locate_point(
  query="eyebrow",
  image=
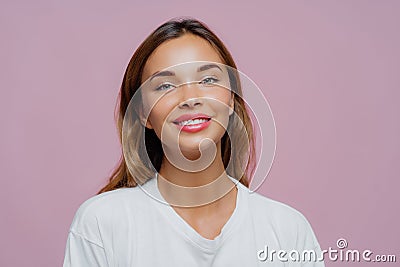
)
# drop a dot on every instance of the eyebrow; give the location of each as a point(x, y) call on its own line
point(208, 66)
point(170, 73)
point(162, 73)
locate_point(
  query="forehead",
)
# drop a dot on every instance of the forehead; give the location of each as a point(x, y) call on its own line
point(186, 48)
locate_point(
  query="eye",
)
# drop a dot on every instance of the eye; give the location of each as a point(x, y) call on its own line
point(164, 86)
point(209, 80)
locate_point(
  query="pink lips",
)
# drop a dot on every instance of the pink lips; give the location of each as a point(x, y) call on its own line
point(193, 127)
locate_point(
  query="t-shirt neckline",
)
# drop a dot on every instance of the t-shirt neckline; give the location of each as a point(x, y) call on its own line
point(186, 229)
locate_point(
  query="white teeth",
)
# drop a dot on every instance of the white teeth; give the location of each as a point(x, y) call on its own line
point(192, 122)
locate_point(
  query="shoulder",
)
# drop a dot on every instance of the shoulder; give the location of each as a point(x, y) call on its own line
point(290, 225)
point(275, 210)
point(102, 211)
point(271, 209)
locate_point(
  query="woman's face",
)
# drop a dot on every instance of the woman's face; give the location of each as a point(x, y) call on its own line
point(186, 100)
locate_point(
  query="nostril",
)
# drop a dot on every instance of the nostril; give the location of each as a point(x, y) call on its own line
point(191, 102)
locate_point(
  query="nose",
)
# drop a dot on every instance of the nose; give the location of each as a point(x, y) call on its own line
point(189, 96)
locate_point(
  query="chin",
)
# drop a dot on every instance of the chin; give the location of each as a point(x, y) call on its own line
point(193, 148)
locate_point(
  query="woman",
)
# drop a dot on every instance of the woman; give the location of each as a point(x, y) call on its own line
point(187, 137)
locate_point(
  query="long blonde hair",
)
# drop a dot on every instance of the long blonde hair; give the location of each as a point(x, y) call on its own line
point(243, 151)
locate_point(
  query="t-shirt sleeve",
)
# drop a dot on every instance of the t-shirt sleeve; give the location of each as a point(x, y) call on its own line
point(82, 252)
point(309, 246)
point(85, 245)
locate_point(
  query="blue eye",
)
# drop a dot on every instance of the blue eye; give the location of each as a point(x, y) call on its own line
point(164, 86)
point(209, 80)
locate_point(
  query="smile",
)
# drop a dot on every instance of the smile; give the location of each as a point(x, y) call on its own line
point(193, 125)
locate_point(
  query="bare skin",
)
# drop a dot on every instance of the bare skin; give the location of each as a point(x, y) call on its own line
point(207, 219)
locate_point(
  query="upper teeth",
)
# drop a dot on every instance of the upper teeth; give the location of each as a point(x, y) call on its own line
point(191, 122)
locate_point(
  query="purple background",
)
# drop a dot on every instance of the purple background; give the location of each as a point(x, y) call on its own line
point(329, 69)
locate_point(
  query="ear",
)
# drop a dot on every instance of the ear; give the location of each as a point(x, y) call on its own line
point(232, 104)
point(148, 125)
point(143, 121)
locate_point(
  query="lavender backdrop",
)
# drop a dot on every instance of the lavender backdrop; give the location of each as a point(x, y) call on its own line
point(330, 70)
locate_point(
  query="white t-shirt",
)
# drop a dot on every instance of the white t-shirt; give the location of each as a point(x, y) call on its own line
point(131, 227)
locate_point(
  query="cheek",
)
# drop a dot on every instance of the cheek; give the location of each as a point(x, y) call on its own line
point(222, 101)
point(160, 112)
point(221, 108)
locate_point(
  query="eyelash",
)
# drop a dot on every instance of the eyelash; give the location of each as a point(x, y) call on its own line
point(162, 86)
point(214, 80)
point(159, 88)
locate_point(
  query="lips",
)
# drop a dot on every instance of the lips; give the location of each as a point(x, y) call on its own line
point(192, 123)
point(191, 117)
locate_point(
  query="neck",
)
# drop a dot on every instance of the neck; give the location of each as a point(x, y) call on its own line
point(182, 177)
point(188, 188)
